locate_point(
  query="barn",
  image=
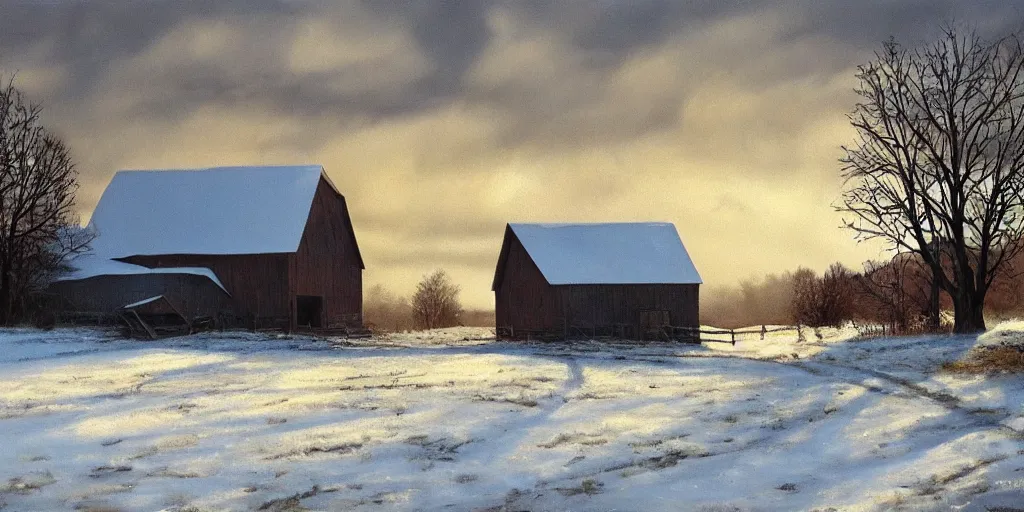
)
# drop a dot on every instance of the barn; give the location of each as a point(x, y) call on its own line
point(625, 280)
point(277, 240)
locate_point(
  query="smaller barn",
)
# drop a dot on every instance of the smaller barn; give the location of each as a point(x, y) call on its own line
point(624, 280)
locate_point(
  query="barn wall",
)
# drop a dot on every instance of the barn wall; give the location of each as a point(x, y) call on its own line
point(327, 263)
point(258, 283)
point(523, 299)
point(603, 306)
point(193, 295)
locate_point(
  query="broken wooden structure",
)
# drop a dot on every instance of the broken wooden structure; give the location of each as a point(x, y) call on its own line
point(154, 318)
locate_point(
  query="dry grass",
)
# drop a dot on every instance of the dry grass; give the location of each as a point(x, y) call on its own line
point(989, 360)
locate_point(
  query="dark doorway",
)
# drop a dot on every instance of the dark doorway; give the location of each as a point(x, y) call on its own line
point(308, 310)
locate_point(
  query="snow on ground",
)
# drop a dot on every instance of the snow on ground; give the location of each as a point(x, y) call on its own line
point(451, 420)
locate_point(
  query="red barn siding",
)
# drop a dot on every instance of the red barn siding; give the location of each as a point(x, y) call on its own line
point(603, 306)
point(526, 305)
point(328, 263)
point(258, 283)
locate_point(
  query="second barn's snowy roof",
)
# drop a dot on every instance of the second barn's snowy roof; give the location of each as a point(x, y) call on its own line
point(612, 253)
point(220, 210)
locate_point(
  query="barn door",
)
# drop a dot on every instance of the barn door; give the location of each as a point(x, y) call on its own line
point(309, 310)
point(654, 324)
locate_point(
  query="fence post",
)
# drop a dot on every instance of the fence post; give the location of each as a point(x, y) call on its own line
point(763, 330)
point(732, 333)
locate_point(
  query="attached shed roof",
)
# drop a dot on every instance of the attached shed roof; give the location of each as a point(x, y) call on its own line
point(220, 210)
point(608, 253)
point(90, 265)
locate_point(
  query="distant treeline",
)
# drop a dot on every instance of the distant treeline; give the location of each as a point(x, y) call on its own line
point(896, 293)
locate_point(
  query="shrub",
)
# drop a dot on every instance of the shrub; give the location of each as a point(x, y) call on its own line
point(436, 302)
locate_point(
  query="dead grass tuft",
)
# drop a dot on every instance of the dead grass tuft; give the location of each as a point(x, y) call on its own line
point(465, 478)
point(573, 438)
point(589, 487)
point(340, 449)
point(520, 401)
point(29, 483)
point(293, 503)
point(989, 360)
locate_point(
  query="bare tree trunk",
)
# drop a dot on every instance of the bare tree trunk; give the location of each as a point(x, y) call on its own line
point(5, 293)
point(968, 313)
point(933, 306)
point(933, 299)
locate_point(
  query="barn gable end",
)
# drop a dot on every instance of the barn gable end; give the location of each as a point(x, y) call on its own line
point(523, 297)
point(328, 265)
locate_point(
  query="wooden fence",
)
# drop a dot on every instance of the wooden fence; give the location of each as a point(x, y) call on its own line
point(695, 333)
point(689, 334)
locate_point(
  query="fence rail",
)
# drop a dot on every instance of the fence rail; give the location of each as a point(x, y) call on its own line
point(696, 332)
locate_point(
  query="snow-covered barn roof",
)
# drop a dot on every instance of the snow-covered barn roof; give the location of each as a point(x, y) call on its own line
point(220, 210)
point(608, 253)
point(90, 265)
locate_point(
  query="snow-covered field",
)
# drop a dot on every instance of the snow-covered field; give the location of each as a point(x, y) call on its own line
point(451, 420)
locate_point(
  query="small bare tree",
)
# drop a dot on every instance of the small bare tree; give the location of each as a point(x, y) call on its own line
point(38, 182)
point(940, 158)
point(436, 302)
point(806, 298)
point(824, 301)
point(895, 292)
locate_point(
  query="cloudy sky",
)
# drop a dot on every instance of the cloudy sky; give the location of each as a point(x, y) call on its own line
point(441, 120)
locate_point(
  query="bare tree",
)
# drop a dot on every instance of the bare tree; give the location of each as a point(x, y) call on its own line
point(824, 301)
point(436, 302)
point(806, 297)
point(895, 292)
point(939, 157)
point(836, 295)
point(37, 188)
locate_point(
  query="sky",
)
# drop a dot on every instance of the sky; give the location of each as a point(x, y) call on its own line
point(440, 121)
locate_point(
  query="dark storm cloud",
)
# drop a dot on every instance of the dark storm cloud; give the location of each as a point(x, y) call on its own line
point(89, 37)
